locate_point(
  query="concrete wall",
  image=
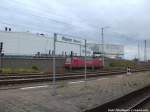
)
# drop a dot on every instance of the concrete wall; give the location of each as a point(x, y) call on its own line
point(44, 64)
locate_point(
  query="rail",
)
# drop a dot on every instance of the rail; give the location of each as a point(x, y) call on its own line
point(27, 78)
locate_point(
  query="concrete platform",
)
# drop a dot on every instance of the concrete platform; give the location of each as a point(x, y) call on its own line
point(72, 96)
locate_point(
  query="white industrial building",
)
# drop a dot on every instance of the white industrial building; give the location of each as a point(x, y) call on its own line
point(26, 43)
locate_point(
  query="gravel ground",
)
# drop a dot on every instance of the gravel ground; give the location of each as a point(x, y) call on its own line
point(71, 96)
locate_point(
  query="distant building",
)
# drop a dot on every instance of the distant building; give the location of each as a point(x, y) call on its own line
point(110, 50)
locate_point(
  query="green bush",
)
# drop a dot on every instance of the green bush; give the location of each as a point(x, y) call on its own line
point(35, 67)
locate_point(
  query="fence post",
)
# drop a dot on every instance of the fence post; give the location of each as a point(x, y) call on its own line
point(54, 64)
point(1, 54)
point(85, 64)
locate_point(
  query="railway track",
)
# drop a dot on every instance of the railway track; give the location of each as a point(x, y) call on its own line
point(6, 79)
point(133, 102)
point(141, 104)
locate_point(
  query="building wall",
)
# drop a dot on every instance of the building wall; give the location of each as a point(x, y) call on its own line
point(44, 64)
point(25, 43)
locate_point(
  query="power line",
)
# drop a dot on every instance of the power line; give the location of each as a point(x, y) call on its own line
point(31, 9)
point(45, 17)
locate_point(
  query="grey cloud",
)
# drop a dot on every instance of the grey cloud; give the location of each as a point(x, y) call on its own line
point(129, 21)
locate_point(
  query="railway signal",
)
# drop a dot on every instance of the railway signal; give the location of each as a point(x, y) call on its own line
point(128, 70)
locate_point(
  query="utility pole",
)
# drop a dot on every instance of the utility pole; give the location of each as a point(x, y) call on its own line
point(103, 46)
point(102, 43)
point(138, 51)
point(145, 50)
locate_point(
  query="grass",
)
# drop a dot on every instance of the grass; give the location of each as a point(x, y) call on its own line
point(123, 64)
point(19, 70)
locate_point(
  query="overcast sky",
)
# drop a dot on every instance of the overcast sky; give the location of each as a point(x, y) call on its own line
point(128, 20)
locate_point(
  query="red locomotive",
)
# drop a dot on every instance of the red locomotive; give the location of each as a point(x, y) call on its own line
point(76, 62)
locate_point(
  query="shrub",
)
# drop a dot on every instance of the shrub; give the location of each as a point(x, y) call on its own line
point(35, 67)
